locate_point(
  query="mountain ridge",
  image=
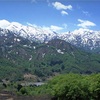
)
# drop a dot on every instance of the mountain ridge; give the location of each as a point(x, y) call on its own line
point(83, 38)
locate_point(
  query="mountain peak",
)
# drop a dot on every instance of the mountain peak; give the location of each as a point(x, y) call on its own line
point(4, 24)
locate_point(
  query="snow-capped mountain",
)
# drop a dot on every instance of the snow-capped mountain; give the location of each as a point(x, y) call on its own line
point(31, 32)
point(86, 38)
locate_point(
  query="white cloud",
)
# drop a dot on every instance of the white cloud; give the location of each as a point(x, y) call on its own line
point(4, 23)
point(49, 28)
point(60, 6)
point(55, 28)
point(64, 12)
point(85, 23)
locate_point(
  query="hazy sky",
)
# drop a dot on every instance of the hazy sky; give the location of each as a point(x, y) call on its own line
point(63, 15)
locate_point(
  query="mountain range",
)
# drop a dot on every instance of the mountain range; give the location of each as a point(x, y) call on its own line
point(83, 38)
point(27, 52)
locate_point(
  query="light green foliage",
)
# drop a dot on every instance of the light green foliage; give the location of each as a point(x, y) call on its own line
point(69, 87)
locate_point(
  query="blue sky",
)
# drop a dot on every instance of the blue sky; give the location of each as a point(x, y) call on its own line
point(59, 15)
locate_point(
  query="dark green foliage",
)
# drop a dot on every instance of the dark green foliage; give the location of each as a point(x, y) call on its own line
point(24, 91)
point(19, 87)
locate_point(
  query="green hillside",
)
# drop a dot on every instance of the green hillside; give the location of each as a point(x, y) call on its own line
point(44, 60)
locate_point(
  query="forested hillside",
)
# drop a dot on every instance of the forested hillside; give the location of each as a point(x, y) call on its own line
point(44, 60)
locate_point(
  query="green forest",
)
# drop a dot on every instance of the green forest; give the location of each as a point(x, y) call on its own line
point(46, 60)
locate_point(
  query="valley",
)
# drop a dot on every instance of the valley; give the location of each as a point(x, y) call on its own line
point(29, 64)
